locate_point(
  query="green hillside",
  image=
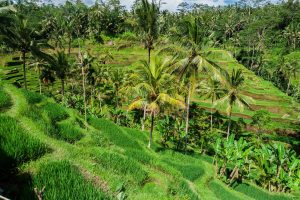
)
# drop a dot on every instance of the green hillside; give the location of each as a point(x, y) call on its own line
point(283, 109)
point(103, 161)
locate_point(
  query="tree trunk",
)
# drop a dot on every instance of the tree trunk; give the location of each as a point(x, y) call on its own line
point(149, 55)
point(288, 87)
point(63, 87)
point(24, 69)
point(211, 117)
point(84, 92)
point(229, 125)
point(151, 130)
point(144, 118)
point(69, 45)
point(40, 81)
point(187, 114)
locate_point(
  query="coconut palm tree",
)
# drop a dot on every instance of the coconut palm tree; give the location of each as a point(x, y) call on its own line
point(22, 37)
point(194, 61)
point(60, 65)
point(148, 14)
point(212, 90)
point(234, 83)
point(85, 62)
point(289, 70)
point(6, 8)
point(156, 81)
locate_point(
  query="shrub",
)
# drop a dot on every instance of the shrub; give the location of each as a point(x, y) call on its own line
point(122, 165)
point(68, 132)
point(55, 112)
point(5, 100)
point(16, 143)
point(64, 181)
point(32, 97)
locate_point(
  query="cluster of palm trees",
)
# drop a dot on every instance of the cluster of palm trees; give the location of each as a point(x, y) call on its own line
point(270, 165)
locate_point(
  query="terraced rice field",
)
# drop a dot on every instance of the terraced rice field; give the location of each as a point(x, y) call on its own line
point(266, 96)
point(107, 160)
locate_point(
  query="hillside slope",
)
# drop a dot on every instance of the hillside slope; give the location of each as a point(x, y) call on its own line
point(46, 146)
point(284, 111)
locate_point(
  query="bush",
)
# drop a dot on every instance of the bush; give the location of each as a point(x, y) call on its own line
point(32, 97)
point(122, 165)
point(64, 181)
point(5, 100)
point(55, 112)
point(17, 144)
point(68, 132)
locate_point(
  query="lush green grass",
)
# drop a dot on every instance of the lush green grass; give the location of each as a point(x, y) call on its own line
point(5, 100)
point(114, 133)
point(188, 171)
point(17, 144)
point(32, 97)
point(184, 190)
point(221, 192)
point(68, 132)
point(122, 165)
point(55, 112)
point(257, 193)
point(64, 181)
point(40, 118)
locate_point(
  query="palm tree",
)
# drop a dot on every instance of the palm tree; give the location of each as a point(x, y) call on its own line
point(155, 80)
point(85, 61)
point(148, 14)
point(60, 65)
point(7, 8)
point(289, 70)
point(21, 36)
point(212, 90)
point(234, 96)
point(194, 62)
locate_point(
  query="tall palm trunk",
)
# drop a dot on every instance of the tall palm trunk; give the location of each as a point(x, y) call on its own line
point(63, 87)
point(229, 124)
point(84, 92)
point(288, 87)
point(144, 118)
point(149, 55)
point(187, 114)
point(151, 130)
point(211, 119)
point(69, 45)
point(40, 81)
point(24, 69)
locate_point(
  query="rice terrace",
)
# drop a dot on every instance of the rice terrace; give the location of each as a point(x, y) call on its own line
point(150, 100)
